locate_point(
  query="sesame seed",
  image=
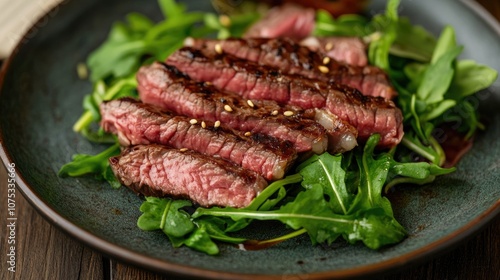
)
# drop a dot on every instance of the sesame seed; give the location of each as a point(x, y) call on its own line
point(250, 103)
point(183, 149)
point(326, 60)
point(329, 46)
point(248, 133)
point(274, 113)
point(288, 113)
point(203, 124)
point(225, 20)
point(228, 108)
point(218, 48)
point(217, 124)
point(193, 121)
point(323, 69)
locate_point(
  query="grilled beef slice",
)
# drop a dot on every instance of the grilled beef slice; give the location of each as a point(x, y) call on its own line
point(156, 170)
point(369, 115)
point(293, 58)
point(164, 86)
point(351, 50)
point(138, 123)
point(287, 20)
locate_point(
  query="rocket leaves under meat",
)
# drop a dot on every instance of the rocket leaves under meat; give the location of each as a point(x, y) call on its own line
point(97, 165)
point(331, 178)
point(317, 208)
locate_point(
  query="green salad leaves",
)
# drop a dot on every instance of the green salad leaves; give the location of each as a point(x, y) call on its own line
point(328, 197)
point(431, 81)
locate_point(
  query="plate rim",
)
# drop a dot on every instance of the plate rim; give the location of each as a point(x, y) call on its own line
point(107, 248)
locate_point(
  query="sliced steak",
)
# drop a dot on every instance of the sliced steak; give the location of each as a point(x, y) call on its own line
point(292, 58)
point(155, 170)
point(137, 123)
point(288, 20)
point(351, 50)
point(164, 86)
point(367, 114)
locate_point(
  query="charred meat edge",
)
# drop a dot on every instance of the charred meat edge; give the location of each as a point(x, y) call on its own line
point(156, 170)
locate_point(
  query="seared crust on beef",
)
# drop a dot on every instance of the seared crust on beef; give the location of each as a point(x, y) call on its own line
point(154, 170)
point(164, 86)
point(293, 58)
point(369, 115)
point(138, 123)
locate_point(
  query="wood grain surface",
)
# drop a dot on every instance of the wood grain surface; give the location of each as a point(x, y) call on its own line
point(45, 252)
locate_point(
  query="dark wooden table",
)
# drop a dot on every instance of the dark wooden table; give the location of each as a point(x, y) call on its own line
point(45, 252)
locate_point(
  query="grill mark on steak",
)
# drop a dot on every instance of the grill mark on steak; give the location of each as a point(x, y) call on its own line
point(155, 170)
point(293, 58)
point(367, 114)
point(138, 123)
point(164, 86)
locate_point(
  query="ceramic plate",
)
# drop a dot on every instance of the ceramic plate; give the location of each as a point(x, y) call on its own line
point(41, 98)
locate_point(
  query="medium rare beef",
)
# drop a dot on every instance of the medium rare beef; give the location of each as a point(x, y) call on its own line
point(351, 50)
point(292, 58)
point(138, 123)
point(367, 114)
point(164, 86)
point(155, 170)
point(288, 20)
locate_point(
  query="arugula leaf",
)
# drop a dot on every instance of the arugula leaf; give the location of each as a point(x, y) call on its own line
point(470, 77)
point(378, 50)
point(122, 53)
point(167, 215)
point(98, 164)
point(345, 25)
point(265, 201)
point(417, 173)
point(311, 212)
point(171, 9)
point(200, 240)
point(412, 41)
point(372, 176)
point(326, 170)
point(438, 77)
point(431, 82)
point(217, 228)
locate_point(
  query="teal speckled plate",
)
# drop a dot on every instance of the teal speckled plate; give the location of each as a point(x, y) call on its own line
point(40, 99)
